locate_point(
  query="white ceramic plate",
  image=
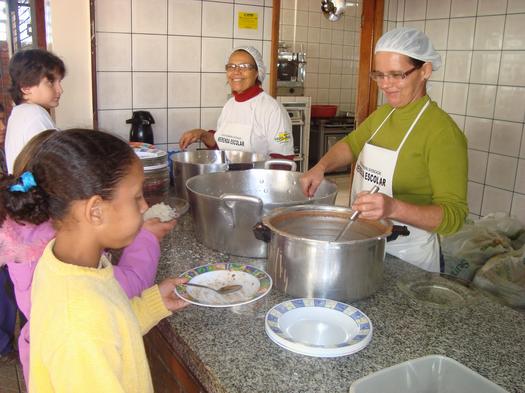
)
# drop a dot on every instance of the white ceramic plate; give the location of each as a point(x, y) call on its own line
point(318, 327)
point(255, 284)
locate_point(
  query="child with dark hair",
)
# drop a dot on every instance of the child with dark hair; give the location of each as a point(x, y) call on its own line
point(36, 77)
point(86, 336)
point(23, 243)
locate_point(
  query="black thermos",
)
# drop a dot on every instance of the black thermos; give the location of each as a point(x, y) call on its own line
point(141, 131)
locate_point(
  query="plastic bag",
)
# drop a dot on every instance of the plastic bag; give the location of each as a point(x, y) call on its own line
point(502, 223)
point(504, 276)
point(467, 250)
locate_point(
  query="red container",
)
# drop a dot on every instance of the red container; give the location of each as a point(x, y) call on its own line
point(324, 110)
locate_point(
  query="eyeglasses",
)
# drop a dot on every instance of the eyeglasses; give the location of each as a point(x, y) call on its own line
point(241, 67)
point(391, 76)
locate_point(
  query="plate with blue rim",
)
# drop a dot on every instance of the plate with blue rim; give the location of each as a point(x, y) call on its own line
point(255, 283)
point(318, 327)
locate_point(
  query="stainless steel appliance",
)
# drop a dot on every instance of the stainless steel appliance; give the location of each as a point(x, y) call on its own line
point(299, 112)
point(291, 72)
point(324, 133)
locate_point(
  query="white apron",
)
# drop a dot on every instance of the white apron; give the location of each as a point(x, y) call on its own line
point(234, 136)
point(375, 167)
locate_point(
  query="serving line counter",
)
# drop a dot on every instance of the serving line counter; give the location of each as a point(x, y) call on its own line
point(227, 350)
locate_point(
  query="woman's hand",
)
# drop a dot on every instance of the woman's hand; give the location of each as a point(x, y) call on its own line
point(374, 206)
point(159, 228)
point(167, 292)
point(190, 137)
point(310, 180)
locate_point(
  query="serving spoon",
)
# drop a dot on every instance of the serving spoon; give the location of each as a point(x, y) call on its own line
point(353, 217)
point(221, 291)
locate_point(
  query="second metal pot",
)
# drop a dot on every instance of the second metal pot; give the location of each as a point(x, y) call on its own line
point(225, 206)
point(304, 260)
point(187, 164)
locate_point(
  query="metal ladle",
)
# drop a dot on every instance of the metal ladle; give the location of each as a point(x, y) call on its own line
point(221, 291)
point(353, 217)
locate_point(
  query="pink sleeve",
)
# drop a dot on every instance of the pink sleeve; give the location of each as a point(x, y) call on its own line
point(22, 276)
point(137, 267)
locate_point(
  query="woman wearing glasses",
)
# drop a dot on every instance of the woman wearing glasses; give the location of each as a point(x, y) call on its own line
point(410, 148)
point(251, 120)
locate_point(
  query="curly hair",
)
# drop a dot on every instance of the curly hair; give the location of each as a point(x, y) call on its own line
point(68, 166)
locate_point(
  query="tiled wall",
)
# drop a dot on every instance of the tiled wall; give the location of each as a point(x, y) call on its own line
point(482, 86)
point(167, 57)
point(332, 50)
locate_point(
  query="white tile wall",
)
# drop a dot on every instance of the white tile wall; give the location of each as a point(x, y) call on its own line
point(438, 9)
point(178, 21)
point(332, 50)
point(483, 89)
point(149, 16)
point(168, 56)
point(113, 52)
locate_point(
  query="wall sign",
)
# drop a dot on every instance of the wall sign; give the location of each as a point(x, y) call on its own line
point(248, 20)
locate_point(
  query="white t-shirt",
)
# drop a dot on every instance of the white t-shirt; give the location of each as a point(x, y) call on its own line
point(270, 124)
point(25, 121)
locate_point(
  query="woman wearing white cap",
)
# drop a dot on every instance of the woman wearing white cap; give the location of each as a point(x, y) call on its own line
point(410, 148)
point(251, 120)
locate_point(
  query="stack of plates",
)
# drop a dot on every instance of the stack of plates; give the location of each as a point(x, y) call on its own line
point(150, 156)
point(156, 172)
point(318, 327)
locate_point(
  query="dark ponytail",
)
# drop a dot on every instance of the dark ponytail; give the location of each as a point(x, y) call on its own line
point(29, 206)
point(69, 166)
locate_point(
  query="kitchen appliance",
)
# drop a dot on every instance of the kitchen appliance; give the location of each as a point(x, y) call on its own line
point(334, 9)
point(298, 109)
point(291, 71)
point(226, 205)
point(304, 261)
point(141, 131)
point(324, 133)
point(187, 164)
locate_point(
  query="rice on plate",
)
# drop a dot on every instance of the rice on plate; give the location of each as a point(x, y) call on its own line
point(161, 211)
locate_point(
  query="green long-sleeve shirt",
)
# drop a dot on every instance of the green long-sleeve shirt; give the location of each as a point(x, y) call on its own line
point(432, 167)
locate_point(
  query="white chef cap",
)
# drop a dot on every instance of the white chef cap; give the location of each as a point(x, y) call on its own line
point(257, 57)
point(410, 42)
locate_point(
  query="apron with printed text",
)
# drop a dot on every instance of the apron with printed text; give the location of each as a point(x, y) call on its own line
point(375, 167)
point(235, 136)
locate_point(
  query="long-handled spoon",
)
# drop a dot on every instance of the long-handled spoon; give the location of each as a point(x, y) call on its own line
point(353, 217)
point(221, 291)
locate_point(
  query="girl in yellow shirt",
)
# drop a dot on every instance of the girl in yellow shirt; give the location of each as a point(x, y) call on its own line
point(86, 336)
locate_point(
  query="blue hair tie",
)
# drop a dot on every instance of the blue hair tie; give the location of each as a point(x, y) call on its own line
point(26, 182)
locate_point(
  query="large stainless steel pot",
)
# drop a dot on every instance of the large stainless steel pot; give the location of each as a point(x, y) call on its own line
point(304, 260)
point(226, 205)
point(187, 164)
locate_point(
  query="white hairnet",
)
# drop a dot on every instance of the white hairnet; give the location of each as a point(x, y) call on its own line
point(257, 57)
point(410, 42)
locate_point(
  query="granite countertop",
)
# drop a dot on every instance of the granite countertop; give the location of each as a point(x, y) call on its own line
point(230, 352)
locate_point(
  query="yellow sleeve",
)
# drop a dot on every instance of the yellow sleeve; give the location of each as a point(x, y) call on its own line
point(83, 358)
point(149, 308)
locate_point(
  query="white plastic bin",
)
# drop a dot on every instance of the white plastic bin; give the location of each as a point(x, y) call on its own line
point(429, 374)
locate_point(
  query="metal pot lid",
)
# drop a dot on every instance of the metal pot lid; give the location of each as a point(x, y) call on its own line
point(323, 223)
